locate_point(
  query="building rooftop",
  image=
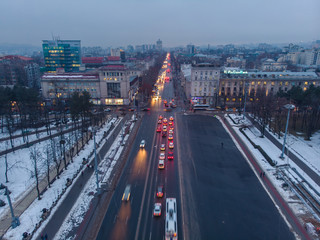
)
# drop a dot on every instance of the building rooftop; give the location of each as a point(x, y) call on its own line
point(98, 60)
point(113, 58)
point(113, 67)
point(73, 76)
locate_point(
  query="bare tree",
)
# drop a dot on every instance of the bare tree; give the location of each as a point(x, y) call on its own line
point(57, 159)
point(48, 162)
point(6, 163)
point(36, 157)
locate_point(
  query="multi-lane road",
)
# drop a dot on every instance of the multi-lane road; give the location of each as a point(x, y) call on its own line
point(218, 195)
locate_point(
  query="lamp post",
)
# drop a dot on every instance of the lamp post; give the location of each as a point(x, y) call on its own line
point(289, 107)
point(15, 222)
point(95, 159)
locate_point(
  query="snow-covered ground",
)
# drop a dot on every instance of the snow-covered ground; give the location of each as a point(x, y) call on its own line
point(21, 182)
point(21, 169)
point(310, 150)
point(32, 215)
point(76, 215)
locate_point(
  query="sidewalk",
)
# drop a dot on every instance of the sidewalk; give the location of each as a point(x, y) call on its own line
point(29, 196)
point(56, 220)
point(310, 172)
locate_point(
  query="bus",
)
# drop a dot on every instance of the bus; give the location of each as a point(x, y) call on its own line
point(200, 106)
point(171, 228)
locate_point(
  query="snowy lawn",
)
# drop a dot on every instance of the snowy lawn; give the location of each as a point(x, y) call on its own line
point(21, 181)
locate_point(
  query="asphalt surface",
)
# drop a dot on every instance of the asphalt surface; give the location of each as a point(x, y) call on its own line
point(218, 195)
point(134, 219)
point(222, 196)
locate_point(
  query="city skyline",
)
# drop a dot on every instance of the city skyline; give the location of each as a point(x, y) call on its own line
point(175, 23)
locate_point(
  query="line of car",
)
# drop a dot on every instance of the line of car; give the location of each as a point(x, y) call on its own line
point(164, 127)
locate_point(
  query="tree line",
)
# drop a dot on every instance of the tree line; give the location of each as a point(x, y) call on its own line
point(304, 118)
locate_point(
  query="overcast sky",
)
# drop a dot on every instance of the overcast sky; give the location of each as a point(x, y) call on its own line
point(176, 22)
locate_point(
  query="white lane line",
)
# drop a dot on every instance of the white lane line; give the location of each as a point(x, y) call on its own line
point(180, 181)
point(145, 189)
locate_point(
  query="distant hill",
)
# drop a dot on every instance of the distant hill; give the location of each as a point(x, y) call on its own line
point(18, 49)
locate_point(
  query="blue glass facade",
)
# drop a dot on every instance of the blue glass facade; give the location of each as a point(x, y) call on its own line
point(64, 54)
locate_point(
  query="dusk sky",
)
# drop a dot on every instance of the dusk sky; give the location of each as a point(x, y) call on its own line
point(176, 22)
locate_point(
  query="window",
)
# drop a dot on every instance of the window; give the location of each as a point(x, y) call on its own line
point(113, 90)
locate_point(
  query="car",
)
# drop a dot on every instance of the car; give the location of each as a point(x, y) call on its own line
point(171, 145)
point(160, 191)
point(161, 164)
point(162, 156)
point(164, 128)
point(159, 121)
point(170, 131)
point(170, 123)
point(159, 129)
point(162, 147)
point(164, 134)
point(107, 110)
point(165, 120)
point(171, 127)
point(143, 144)
point(160, 117)
point(170, 137)
point(126, 193)
point(146, 109)
point(165, 123)
point(157, 210)
point(170, 155)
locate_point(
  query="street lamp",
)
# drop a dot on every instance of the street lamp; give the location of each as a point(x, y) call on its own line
point(93, 129)
point(15, 222)
point(289, 107)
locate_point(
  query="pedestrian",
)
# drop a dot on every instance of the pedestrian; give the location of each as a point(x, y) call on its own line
point(263, 174)
point(260, 174)
point(222, 145)
point(46, 237)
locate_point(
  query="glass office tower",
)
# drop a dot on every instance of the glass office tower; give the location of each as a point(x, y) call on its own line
point(64, 54)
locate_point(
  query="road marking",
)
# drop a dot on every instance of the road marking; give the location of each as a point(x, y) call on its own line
point(144, 190)
point(180, 172)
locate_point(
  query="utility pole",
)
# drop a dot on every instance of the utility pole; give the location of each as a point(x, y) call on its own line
point(289, 107)
point(15, 222)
